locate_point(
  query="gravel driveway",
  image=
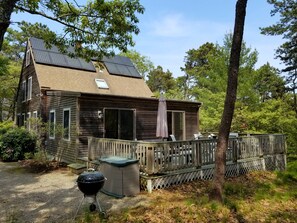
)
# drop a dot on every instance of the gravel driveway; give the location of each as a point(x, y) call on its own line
point(48, 197)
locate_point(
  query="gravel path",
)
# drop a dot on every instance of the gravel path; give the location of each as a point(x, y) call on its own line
point(48, 197)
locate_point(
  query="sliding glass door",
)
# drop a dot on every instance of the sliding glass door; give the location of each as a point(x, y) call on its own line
point(176, 124)
point(119, 124)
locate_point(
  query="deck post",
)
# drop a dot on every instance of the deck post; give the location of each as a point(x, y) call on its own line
point(198, 154)
point(234, 152)
point(90, 140)
point(263, 163)
point(150, 160)
point(149, 186)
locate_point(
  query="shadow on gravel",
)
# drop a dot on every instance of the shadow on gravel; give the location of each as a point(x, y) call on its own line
point(48, 197)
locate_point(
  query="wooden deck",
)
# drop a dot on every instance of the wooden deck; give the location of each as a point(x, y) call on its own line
point(165, 163)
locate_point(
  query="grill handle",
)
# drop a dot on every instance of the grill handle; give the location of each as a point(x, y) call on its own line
point(91, 170)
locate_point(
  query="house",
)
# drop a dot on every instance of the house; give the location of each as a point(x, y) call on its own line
point(104, 99)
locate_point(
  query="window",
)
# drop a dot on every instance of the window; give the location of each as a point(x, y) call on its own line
point(28, 122)
point(120, 124)
point(101, 84)
point(34, 114)
point(23, 91)
point(27, 58)
point(52, 124)
point(35, 120)
point(29, 88)
point(19, 120)
point(66, 123)
point(23, 119)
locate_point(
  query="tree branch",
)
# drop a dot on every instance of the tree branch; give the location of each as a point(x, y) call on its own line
point(53, 19)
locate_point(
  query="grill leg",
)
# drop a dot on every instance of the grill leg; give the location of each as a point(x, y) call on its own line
point(98, 204)
point(78, 207)
point(101, 211)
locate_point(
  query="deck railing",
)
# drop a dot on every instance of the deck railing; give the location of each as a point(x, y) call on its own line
point(164, 157)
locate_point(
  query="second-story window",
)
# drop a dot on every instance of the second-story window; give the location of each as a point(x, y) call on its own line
point(24, 91)
point(29, 88)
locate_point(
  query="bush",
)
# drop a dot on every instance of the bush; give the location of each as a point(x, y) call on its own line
point(15, 143)
point(5, 126)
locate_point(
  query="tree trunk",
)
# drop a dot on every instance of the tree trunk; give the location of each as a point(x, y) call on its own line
point(220, 155)
point(294, 93)
point(6, 9)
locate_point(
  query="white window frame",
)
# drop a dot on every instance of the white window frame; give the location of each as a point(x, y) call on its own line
point(29, 89)
point(54, 123)
point(24, 91)
point(69, 122)
point(35, 114)
point(28, 120)
point(28, 58)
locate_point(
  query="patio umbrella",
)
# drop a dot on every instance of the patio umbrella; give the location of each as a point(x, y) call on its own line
point(162, 127)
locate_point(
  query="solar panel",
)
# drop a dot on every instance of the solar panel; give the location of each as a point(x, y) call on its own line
point(52, 56)
point(119, 65)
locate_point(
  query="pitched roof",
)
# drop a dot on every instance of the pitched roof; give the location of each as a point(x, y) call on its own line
point(76, 75)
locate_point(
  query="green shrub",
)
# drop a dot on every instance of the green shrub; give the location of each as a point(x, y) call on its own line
point(5, 126)
point(15, 143)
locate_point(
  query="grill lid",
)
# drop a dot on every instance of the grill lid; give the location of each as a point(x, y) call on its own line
point(90, 176)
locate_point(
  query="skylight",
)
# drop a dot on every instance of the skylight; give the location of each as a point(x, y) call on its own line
point(101, 84)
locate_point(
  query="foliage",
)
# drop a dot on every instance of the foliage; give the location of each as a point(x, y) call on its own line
point(15, 143)
point(287, 27)
point(8, 88)
point(211, 110)
point(5, 127)
point(268, 83)
point(15, 41)
point(263, 105)
point(159, 80)
point(142, 63)
point(113, 22)
point(3, 65)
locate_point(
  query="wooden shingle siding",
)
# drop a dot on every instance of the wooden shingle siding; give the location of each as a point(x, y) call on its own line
point(60, 147)
point(34, 103)
point(146, 116)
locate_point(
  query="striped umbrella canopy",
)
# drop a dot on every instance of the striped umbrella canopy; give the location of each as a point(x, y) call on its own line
point(162, 127)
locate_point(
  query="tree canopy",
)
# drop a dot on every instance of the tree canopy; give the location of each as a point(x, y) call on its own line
point(160, 80)
point(94, 29)
point(287, 27)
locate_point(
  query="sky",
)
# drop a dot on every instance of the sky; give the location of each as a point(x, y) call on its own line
point(169, 28)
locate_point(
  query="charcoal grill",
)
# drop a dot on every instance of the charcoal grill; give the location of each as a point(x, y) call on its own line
point(90, 183)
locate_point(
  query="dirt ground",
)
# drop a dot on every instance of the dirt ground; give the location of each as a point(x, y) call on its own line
point(49, 197)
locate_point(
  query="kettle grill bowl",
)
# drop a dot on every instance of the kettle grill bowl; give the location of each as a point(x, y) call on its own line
point(90, 182)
